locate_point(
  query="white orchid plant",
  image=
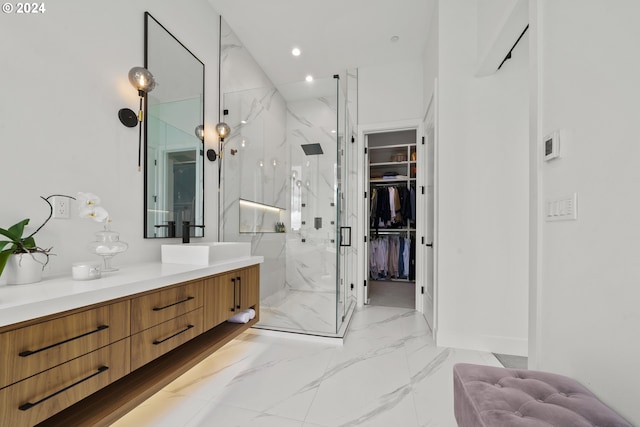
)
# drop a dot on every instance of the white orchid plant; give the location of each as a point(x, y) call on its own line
point(13, 240)
point(89, 207)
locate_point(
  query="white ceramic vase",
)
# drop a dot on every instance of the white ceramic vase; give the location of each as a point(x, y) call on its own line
point(24, 268)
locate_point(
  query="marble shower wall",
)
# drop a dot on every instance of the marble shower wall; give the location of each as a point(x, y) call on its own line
point(311, 250)
point(257, 117)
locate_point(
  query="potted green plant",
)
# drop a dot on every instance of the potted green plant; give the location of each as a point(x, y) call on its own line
point(23, 258)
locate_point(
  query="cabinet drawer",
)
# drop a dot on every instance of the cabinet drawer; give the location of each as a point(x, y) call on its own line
point(37, 398)
point(154, 342)
point(33, 349)
point(153, 309)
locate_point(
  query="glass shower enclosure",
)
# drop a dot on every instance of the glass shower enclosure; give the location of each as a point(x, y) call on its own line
point(285, 177)
point(286, 172)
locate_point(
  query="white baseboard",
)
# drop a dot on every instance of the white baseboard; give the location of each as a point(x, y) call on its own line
point(489, 343)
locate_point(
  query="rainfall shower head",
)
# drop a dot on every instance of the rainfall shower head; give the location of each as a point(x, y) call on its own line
point(312, 149)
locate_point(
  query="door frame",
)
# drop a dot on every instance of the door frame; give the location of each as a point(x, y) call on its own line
point(363, 206)
point(431, 115)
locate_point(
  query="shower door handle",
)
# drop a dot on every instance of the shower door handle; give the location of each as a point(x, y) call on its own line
point(345, 241)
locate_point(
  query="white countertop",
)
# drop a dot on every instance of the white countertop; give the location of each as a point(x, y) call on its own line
point(19, 303)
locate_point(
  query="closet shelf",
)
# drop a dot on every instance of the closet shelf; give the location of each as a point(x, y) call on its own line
point(393, 279)
point(391, 181)
point(388, 147)
point(402, 162)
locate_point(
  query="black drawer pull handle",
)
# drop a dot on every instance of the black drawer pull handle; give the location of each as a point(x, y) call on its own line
point(239, 292)
point(233, 306)
point(30, 352)
point(156, 342)
point(30, 405)
point(171, 305)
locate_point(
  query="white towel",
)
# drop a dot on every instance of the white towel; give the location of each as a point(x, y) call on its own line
point(243, 317)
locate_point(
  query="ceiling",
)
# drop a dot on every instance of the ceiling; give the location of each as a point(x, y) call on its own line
point(334, 35)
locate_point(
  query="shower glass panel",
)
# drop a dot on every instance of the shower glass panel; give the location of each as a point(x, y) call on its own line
point(283, 190)
point(285, 181)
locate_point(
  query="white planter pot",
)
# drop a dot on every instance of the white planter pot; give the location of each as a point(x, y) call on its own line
point(24, 268)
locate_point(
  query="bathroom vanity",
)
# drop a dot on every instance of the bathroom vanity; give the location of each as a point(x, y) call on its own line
point(87, 352)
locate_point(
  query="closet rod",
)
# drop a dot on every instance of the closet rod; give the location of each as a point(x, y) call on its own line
point(393, 231)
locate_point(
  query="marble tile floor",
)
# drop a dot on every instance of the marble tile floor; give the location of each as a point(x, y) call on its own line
point(511, 361)
point(392, 293)
point(387, 373)
point(312, 312)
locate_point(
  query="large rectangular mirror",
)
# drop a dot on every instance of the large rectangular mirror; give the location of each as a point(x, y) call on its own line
point(174, 152)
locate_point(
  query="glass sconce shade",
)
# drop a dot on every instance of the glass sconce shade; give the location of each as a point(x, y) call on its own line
point(223, 130)
point(200, 132)
point(142, 79)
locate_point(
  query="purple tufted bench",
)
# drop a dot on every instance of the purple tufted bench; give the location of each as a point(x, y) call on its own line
point(488, 396)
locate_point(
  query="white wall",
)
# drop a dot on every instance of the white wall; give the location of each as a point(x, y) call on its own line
point(483, 191)
point(500, 24)
point(430, 59)
point(389, 93)
point(588, 296)
point(64, 78)
point(492, 15)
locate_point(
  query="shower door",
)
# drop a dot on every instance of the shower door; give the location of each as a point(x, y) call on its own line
point(346, 179)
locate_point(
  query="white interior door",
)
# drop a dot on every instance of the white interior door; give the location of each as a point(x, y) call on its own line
point(429, 208)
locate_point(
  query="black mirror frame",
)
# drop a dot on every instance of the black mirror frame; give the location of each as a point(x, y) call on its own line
point(148, 16)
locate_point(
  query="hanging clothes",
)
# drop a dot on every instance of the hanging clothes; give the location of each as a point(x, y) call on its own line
point(390, 207)
point(413, 202)
point(412, 259)
point(383, 209)
point(392, 257)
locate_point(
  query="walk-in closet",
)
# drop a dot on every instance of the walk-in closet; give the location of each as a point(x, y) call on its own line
point(391, 238)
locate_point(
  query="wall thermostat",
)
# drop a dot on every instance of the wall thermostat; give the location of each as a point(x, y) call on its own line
point(552, 146)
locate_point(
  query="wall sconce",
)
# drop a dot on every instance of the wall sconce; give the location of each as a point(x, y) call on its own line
point(199, 131)
point(223, 130)
point(143, 80)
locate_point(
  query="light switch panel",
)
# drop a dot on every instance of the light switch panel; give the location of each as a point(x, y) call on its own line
point(562, 208)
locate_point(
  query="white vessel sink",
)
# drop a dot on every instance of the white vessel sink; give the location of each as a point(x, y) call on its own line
point(204, 253)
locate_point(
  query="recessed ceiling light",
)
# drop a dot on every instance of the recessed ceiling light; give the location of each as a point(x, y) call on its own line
point(333, 131)
point(309, 78)
point(295, 51)
point(395, 39)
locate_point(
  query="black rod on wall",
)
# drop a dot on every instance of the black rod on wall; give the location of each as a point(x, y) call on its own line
point(513, 47)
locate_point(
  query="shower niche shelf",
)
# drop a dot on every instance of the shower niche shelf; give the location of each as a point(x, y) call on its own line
point(258, 217)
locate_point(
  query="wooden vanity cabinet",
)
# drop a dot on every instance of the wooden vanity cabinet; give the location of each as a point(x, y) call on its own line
point(219, 299)
point(157, 307)
point(37, 398)
point(32, 349)
point(92, 365)
point(154, 342)
point(52, 364)
point(230, 293)
point(164, 320)
point(249, 288)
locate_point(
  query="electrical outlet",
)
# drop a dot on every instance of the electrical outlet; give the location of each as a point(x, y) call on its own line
point(60, 207)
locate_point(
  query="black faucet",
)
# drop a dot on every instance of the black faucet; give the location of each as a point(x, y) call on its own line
point(171, 228)
point(186, 230)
